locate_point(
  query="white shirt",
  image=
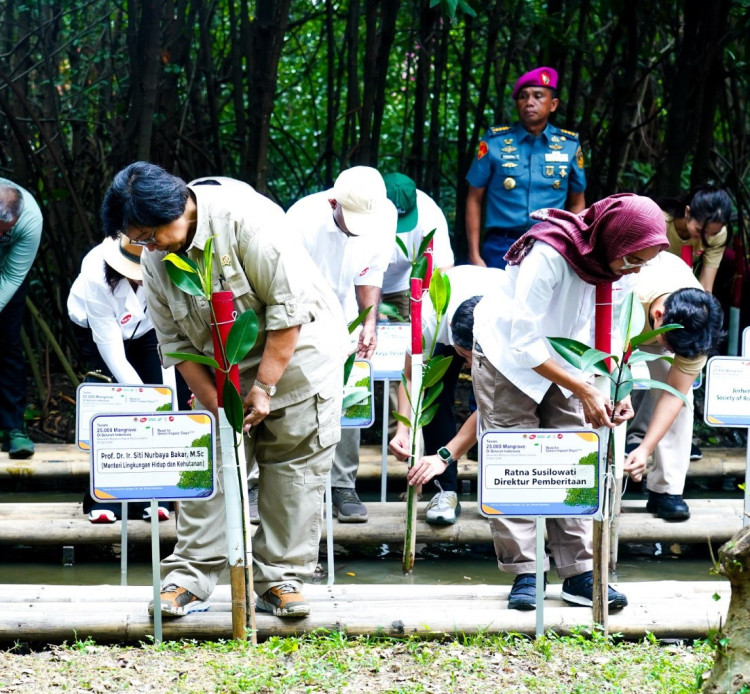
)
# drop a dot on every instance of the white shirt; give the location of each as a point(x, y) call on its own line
point(429, 217)
point(112, 316)
point(466, 281)
point(345, 261)
point(543, 297)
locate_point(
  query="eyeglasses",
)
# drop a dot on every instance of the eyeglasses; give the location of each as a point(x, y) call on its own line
point(145, 242)
point(629, 265)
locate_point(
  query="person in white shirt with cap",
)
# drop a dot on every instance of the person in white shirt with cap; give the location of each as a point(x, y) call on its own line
point(115, 336)
point(349, 231)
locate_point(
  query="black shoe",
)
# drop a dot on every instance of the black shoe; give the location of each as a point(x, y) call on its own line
point(347, 507)
point(695, 452)
point(523, 593)
point(671, 507)
point(579, 590)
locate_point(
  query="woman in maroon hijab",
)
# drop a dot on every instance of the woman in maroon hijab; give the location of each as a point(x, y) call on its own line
point(521, 383)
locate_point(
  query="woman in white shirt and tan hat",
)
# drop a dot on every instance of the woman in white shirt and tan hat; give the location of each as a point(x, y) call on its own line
point(115, 335)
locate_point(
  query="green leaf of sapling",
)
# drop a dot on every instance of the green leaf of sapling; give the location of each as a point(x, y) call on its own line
point(436, 368)
point(185, 279)
point(647, 356)
point(594, 360)
point(428, 414)
point(573, 350)
point(405, 384)
point(645, 337)
point(402, 246)
point(440, 292)
point(359, 319)
point(400, 418)
point(390, 311)
point(431, 395)
point(420, 268)
point(425, 242)
point(242, 336)
point(208, 264)
point(198, 358)
point(354, 399)
point(233, 407)
point(650, 383)
point(348, 365)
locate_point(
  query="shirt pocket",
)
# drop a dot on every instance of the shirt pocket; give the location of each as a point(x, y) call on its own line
point(513, 168)
point(192, 315)
point(555, 167)
point(328, 405)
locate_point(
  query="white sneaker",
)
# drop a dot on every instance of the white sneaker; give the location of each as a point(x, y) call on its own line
point(101, 515)
point(161, 512)
point(443, 508)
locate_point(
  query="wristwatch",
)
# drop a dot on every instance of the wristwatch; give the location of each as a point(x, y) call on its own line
point(270, 391)
point(445, 455)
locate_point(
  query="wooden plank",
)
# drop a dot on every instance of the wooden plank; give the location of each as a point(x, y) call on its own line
point(63, 523)
point(114, 613)
point(58, 461)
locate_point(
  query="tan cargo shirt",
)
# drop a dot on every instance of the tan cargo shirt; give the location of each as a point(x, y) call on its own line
point(254, 259)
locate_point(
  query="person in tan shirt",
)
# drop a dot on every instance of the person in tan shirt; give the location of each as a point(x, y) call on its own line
point(698, 220)
point(291, 378)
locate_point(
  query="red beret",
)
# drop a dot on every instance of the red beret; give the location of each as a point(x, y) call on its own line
point(541, 77)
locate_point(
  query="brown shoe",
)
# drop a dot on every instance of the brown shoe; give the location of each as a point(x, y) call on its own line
point(283, 601)
point(177, 602)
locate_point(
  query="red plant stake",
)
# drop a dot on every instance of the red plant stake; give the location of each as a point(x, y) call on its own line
point(223, 305)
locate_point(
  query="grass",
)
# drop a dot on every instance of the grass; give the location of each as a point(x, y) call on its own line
point(583, 662)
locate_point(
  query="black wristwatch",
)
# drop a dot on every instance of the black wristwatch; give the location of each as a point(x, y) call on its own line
point(446, 456)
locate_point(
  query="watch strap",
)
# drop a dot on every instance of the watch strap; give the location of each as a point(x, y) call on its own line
point(266, 388)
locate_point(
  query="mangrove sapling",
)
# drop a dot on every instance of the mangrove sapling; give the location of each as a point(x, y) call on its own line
point(426, 386)
point(621, 382)
point(229, 348)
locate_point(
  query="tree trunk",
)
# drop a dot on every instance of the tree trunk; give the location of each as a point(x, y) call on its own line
point(268, 29)
point(731, 671)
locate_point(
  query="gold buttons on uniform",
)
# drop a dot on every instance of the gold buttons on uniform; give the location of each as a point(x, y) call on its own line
point(509, 183)
point(556, 185)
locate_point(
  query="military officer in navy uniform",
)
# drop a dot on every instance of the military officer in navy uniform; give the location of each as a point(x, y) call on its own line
point(520, 168)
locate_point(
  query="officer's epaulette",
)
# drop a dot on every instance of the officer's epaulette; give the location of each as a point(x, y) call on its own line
point(569, 133)
point(497, 129)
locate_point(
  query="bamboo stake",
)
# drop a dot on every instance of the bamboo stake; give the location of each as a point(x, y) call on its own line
point(410, 539)
point(603, 342)
point(239, 539)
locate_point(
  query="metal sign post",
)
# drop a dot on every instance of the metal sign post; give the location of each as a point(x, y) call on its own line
point(540, 474)
point(149, 457)
point(727, 403)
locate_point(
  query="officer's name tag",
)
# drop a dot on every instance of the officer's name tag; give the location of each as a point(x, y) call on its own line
point(556, 156)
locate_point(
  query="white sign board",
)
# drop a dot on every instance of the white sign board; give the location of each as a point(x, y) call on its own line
point(358, 410)
point(167, 456)
point(540, 473)
point(102, 398)
point(393, 341)
point(727, 402)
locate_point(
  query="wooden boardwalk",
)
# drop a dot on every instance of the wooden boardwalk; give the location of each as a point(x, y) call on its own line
point(667, 609)
point(64, 524)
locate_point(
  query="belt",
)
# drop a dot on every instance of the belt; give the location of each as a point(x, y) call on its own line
point(515, 233)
